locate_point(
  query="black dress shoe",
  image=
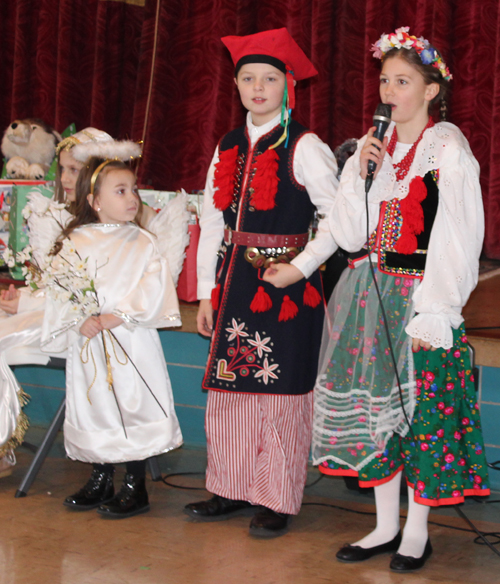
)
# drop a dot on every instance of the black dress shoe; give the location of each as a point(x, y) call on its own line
point(356, 553)
point(130, 500)
point(218, 509)
point(269, 523)
point(404, 564)
point(99, 489)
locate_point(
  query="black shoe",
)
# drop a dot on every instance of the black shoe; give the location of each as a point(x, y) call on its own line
point(356, 553)
point(269, 523)
point(131, 500)
point(218, 509)
point(404, 564)
point(99, 489)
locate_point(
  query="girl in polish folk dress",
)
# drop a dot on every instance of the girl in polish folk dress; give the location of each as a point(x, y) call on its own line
point(260, 291)
point(108, 289)
point(426, 221)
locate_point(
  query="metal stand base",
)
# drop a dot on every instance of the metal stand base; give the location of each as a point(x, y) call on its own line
point(42, 451)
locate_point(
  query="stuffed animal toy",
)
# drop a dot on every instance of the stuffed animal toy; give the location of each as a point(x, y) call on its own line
point(29, 146)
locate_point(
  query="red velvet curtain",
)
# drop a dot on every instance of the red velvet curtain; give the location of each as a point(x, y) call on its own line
point(90, 62)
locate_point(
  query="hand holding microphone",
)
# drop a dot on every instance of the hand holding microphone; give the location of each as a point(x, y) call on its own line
point(373, 151)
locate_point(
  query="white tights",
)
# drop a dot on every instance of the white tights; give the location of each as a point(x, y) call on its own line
point(415, 533)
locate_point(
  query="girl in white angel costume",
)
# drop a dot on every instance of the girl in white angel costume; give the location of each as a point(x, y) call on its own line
point(22, 309)
point(108, 289)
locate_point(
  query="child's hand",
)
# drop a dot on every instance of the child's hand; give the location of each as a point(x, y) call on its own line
point(282, 275)
point(417, 343)
point(370, 151)
point(91, 327)
point(9, 300)
point(205, 318)
point(11, 294)
point(110, 321)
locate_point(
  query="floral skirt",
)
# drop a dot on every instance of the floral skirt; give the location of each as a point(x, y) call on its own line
point(443, 455)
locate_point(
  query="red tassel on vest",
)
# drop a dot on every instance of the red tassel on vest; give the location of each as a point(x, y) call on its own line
point(224, 178)
point(311, 296)
point(261, 301)
point(265, 181)
point(288, 310)
point(413, 216)
point(215, 297)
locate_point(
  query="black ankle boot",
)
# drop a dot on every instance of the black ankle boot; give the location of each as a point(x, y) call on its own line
point(99, 489)
point(131, 499)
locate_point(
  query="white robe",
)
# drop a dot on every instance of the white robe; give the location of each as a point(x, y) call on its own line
point(132, 281)
point(20, 333)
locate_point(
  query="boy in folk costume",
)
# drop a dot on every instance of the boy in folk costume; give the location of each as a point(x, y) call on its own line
point(263, 186)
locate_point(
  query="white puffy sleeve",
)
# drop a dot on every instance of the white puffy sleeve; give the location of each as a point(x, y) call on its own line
point(452, 265)
point(30, 300)
point(315, 168)
point(347, 218)
point(152, 302)
point(212, 232)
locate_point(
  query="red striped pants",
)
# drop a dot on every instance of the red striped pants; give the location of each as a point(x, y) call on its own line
point(258, 448)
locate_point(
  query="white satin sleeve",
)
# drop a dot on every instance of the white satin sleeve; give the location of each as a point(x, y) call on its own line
point(30, 300)
point(212, 232)
point(315, 167)
point(452, 265)
point(347, 218)
point(153, 302)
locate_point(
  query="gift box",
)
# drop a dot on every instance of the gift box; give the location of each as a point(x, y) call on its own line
point(18, 229)
point(188, 281)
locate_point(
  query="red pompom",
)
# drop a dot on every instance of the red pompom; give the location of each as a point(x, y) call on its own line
point(413, 216)
point(261, 301)
point(311, 296)
point(288, 310)
point(265, 181)
point(215, 297)
point(224, 178)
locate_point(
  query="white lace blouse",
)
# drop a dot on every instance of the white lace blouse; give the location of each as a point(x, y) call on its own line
point(452, 264)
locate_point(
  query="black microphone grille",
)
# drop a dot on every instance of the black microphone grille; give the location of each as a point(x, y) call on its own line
point(383, 109)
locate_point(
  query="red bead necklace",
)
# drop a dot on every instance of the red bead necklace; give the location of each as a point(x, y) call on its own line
point(403, 166)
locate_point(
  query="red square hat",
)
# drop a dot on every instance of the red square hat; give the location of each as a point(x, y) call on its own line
point(275, 47)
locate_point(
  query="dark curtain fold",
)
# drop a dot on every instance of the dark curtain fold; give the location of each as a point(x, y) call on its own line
point(90, 62)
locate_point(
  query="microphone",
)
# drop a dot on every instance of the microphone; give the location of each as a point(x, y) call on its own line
point(381, 120)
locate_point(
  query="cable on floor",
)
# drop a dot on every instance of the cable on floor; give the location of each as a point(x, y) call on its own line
point(182, 474)
point(481, 538)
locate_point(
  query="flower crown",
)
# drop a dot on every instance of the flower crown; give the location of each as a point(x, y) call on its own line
point(400, 39)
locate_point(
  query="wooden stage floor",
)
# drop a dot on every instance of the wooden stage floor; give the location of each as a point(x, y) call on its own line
point(42, 542)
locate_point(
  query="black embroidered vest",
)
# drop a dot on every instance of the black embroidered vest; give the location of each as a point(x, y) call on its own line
point(293, 211)
point(390, 261)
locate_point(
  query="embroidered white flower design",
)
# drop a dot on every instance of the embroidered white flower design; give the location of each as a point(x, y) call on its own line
point(236, 330)
point(260, 344)
point(245, 354)
point(267, 371)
